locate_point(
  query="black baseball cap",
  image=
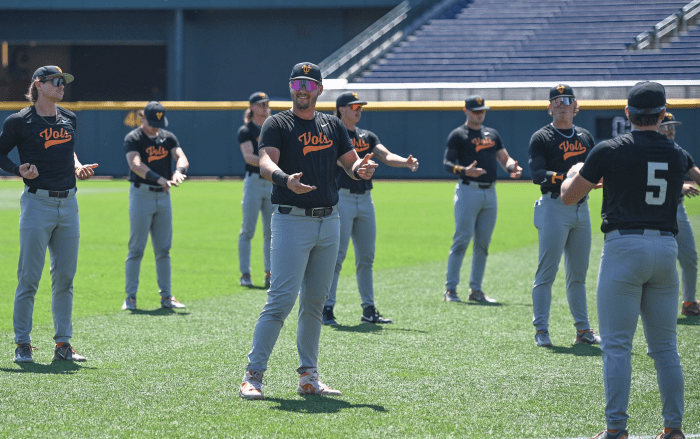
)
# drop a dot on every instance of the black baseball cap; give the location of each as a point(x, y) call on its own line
point(561, 90)
point(155, 115)
point(348, 98)
point(475, 103)
point(646, 98)
point(669, 119)
point(306, 70)
point(258, 96)
point(51, 72)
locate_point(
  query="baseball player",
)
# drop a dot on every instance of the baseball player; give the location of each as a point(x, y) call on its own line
point(149, 151)
point(357, 210)
point(687, 253)
point(473, 151)
point(561, 229)
point(256, 190)
point(44, 135)
point(642, 174)
point(299, 149)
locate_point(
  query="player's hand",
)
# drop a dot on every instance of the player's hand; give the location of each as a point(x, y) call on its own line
point(165, 184)
point(599, 185)
point(473, 171)
point(178, 178)
point(412, 163)
point(28, 171)
point(85, 171)
point(367, 167)
point(517, 171)
point(689, 190)
point(295, 185)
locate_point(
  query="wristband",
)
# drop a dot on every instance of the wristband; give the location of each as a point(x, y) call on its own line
point(457, 169)
point(356, 174)
point(152, 176)
point(510, 168)
point(182, 170)
point(280, 178)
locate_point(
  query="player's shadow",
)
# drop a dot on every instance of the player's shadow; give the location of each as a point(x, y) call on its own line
point(579, 350)
point(361, 327)
point(313, 404)
point(158, 312)
point(689, 321)
point(53, 368)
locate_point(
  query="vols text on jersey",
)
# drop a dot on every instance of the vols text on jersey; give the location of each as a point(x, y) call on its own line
point(314, 143)
point(480, 143)
point(359, 144)
point(55, 137)
point(156, 153)
point(572, 149)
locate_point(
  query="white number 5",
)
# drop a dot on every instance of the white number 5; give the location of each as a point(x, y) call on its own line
point(659, 182)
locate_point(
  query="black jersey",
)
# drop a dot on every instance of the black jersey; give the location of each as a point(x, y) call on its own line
point(364, 142)
point(464, 145)
point(553, 152)
point(46, 142)
point(642, 175)
point(250, 131)
point(308, 146)
point(155, 153)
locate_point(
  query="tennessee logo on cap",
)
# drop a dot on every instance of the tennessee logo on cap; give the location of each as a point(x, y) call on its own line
point(159, 115)
point(262, 95)
point(561, 89)
point(479, 101)
point(59, 69)
point(668, 116)
point(306, 68)
point(355, 95)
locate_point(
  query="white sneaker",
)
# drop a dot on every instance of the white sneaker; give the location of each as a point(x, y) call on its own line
point(129, 303)
point(170, 302)
point(309, 384)
point(251, 387)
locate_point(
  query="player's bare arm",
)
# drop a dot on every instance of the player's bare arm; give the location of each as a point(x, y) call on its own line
point(509, 164)
point(358, 169)
point(394, 160)
point(142, 170)
point(269, 157)
point(575, 187)
point(83, 171)
point(181, 166)
point(248, 155)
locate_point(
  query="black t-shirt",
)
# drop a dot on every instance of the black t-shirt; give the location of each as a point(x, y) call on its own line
point(48, 143)
point(308, 146)
point(364, 142)
point(553, 152)
point(464, 145)
point(250, 131)
point(155, 153)
point(642, 175)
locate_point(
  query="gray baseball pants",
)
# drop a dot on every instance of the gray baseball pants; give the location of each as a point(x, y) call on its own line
point(53, 223)
point(475, 211)
point(257, 193)
point(303, 254)
point(357, 219)
point(638, 277)
point(687, 255)
point(567, 230)
point(149, 213)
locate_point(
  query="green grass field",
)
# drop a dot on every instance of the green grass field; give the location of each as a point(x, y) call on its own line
point(441, 370)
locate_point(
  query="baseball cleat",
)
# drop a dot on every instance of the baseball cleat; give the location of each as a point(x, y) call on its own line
point(129, 303)
point(691, 309)
point(542, 339)
point(371, 315)
point(451, 296)
point(251, 387)
point(170, 302)
point(587, 337)
point(479, 296)
point(676, 433)
point(246, 281)
point(65, 352)
point(605, 434)
point(309, 384)
point(23, 353)
point(328, 318)
point(267, 279)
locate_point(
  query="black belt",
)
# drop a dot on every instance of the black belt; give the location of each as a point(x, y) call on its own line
point(317, 212)
point(150, 187)
point(479, 185)
point(358, 192)
point(641, 232)
point(555, 195)
point(52, 194)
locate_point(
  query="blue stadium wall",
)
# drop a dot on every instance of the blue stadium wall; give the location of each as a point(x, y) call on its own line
point(208, 136)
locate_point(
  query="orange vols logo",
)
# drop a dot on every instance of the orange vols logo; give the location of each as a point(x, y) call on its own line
point(483, 143)
point(156, 153)
point(360, 145)
point(571, 149)
point(314, 143)
point(55, 137)
point(561, 89)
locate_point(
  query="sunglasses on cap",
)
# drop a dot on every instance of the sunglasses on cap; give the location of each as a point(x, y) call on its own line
point(355, 107)
point(57, 82)
point(562, 100)
point(298, 83)
point(478, 111)
point(667, 128)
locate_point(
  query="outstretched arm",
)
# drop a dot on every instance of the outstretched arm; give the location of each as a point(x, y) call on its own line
point(394, 160)
point(509, 164)
point(269, 157)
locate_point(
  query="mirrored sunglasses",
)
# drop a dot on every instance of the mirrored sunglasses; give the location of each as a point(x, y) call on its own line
point(564, 100)
point(298, 83)
point(56, 82)
point(478, 111)
point(355, 107)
